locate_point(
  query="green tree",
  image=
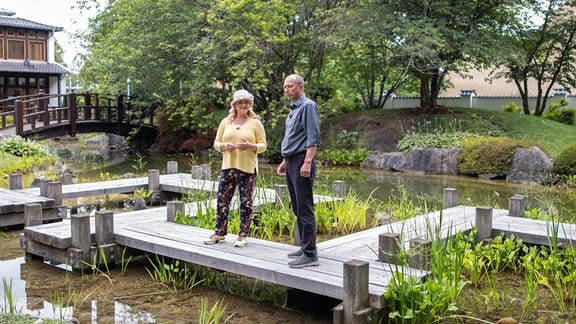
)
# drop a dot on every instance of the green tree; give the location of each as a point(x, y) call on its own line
point(543, 43)
point(368, 59)
point(447, 36)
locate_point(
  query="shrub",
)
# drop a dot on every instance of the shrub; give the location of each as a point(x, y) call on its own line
point(343, 157)
point(429, 140)
point(565, 162)
point(489, 155)
point(556, 113)
point(512, 107)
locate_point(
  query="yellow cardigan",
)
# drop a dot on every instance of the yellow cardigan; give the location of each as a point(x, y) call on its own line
point(245, 161)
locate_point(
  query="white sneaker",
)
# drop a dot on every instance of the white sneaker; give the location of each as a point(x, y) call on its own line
point(240, 241)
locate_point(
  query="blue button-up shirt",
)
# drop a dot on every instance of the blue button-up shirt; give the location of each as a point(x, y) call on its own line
point(302, 127)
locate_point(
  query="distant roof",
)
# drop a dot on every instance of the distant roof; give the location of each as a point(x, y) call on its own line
point(7, 20)
point(32, 67)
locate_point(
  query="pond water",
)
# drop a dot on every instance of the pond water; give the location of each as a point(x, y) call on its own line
point(95, 165)
point(379, 185)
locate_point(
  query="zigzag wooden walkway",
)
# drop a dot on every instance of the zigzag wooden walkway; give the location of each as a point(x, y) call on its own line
point(151, 231)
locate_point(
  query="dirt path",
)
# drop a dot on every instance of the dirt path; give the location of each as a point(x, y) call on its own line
point(135, 289)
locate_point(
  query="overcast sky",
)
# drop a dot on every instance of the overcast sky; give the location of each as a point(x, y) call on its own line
point(57, 13)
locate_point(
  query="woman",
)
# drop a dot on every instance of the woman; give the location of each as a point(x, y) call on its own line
point(240, 138)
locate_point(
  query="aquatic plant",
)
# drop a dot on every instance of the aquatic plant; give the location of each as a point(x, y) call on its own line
point(211, 315)
point(173, 276)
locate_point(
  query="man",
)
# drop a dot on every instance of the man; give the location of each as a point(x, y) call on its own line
point(301, 139)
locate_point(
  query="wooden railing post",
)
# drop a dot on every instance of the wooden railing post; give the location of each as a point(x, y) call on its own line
point(105, 240)
point(87, 106)
point(172, 209)
point(201, 172)
point(16, 181)
point(420, 252)
point(517, 205)
point(73, 112)
point(32, 214)
point(43, 106)
point(355, 307)
point(79, 251)
point(172, 167)
point(97, 112)
point(450, 197)
point(120, 109)
point(483, 223)
point(339, 189)
point(18, 117)
point(389, 247)
point(154, 185)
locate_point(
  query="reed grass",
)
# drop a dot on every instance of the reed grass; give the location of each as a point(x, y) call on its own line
point(212, 315)
point(10, 303)
point(174, 276)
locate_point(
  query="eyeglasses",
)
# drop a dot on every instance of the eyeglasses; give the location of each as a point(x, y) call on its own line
point(243, 102)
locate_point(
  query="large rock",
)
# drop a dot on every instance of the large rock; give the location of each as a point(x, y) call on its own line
point(429, 160)
point(530, 165)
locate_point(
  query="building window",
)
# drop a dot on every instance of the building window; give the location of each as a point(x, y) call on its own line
point(2, 49)
point(41, 35)
point(37, 52)
point(15, 49)
point(32, 34)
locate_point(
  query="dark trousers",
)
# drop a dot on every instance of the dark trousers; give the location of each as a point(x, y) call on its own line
point(302, 202)
point(229, 180)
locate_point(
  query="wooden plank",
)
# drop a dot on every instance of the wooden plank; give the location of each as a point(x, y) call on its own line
point(261, 259)
point(535, 231)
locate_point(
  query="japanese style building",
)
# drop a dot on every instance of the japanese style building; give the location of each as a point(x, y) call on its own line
point(27, 52)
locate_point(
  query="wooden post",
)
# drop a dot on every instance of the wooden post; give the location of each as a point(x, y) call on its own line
point(450, 196)
point(483, 223)
point(154, 185)
point(80, 251)
point(172, 208)
point(389, 247)
point(201, 172)
point(107, 249)
point(43, 105)
point(55, 192)
point(104, 222)
point(32, 214)
point(43, 184)
point(339, 189)
point(73, 114)
point(517, 205)
point(16, 181)
point(18, 117)
point(421, 250)
point(280, 193)
point(355, 307)
point(120, 109)
point(172, 167)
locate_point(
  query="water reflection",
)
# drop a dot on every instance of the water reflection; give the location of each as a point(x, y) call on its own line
point(26, 299)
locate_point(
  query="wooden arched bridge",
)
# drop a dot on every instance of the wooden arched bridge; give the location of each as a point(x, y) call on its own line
point(46, 116)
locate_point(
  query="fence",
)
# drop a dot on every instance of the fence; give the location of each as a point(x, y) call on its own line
point(469, 99)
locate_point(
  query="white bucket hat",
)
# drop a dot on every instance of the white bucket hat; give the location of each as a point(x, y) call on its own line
point(242, 95)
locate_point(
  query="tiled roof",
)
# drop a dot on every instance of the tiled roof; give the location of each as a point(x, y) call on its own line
point(24, 23)
point(32, 67)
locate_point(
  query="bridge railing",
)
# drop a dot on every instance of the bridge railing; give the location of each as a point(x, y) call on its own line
point(43, 110)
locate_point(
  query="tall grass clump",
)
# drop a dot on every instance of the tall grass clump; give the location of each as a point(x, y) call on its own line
point(213, 314)
point(174, 276)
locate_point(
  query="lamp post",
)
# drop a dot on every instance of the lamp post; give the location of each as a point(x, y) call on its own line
point(128, 91)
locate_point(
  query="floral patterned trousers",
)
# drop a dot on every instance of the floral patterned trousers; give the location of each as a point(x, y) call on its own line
point(231, 179)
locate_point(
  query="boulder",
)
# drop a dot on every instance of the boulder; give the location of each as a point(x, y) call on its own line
point(531, 166)
point(428, 160)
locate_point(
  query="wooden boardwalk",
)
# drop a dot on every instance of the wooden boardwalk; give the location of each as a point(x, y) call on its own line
point(151, 231)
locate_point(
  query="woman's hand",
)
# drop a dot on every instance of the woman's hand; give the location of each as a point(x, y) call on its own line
point(246, 146)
